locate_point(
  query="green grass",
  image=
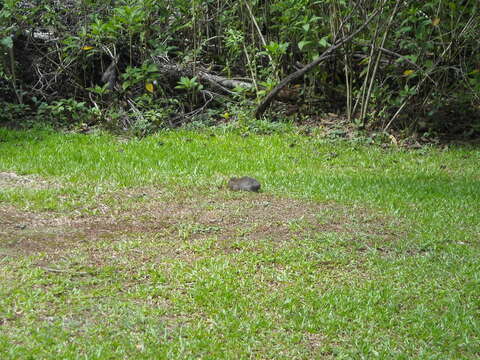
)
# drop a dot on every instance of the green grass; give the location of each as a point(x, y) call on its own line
point(378, 257)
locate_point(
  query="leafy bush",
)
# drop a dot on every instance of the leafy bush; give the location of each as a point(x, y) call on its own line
point(416, 59)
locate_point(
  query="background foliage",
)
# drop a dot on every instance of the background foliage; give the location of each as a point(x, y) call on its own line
point(416, 66)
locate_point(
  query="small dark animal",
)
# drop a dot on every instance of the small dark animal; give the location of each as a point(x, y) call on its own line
point(244, 183)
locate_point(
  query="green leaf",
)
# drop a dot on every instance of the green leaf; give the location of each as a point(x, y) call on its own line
point(324, 42)
point(7, 42)
point(303, 43)
point(413, 58)
point(404, 29)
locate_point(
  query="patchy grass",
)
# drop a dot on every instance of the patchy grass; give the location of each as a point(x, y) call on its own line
point(114, 248)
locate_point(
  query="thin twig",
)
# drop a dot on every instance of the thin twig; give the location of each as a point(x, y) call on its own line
point(262, 39)
point(299, 73)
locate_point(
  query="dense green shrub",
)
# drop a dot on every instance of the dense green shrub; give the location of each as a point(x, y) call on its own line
point(414, 63)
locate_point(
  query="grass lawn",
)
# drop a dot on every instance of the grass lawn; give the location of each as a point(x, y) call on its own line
point(134, 249)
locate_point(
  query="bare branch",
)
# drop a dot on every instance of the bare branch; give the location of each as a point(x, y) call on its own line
point(299, 73)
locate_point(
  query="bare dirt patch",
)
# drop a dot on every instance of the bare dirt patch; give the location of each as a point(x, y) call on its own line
point(13, 180)
point(23, 232)
point(222, 218)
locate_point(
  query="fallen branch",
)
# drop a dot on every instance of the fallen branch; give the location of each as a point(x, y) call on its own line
point(299, 73)
point(177, 71)
point(225, 82)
